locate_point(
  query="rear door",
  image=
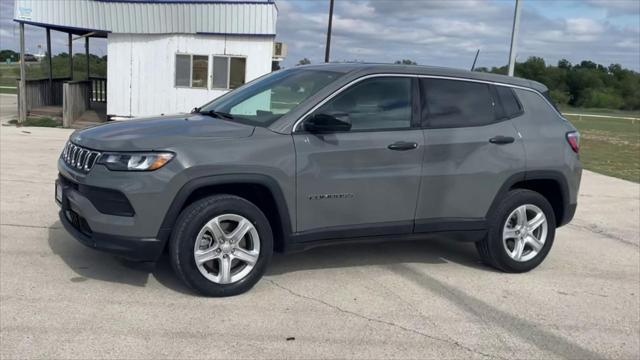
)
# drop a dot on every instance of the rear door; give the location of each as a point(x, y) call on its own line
point(471, 149)
point(364, 181)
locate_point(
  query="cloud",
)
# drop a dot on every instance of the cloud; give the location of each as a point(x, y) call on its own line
point(616, 8)
point(442, 33)
point(447, 33)
point(584, 27)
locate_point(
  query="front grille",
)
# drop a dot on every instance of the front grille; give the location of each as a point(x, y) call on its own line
point(78, 157)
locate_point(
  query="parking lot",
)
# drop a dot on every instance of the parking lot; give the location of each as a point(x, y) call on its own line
point(430, 299)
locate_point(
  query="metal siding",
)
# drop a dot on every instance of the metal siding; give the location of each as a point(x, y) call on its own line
point(150, 18)
point(144, 64)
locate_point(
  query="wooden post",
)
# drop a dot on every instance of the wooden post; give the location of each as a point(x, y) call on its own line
point(86, 51)
point(50, 70)
point(70, 57)
point(22, 96)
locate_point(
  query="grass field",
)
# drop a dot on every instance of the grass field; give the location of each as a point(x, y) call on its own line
point(39, 122)
point(595, 111)
point(610, 146)
point(8, 91)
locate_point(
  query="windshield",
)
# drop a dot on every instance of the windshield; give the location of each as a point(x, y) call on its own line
point(265, 100)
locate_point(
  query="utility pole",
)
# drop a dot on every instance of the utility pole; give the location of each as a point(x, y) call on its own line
point(514, 38)
point(327, 49)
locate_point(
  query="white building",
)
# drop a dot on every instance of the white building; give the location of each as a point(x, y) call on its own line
point(167, 56)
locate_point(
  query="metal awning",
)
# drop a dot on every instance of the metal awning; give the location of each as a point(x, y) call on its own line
point(257, 17)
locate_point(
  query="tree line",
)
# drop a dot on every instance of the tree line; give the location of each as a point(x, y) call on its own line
point(60, 66)
point(586, 84)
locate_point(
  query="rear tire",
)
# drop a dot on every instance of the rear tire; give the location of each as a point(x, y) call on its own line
point(521, 232)
point(221, 245)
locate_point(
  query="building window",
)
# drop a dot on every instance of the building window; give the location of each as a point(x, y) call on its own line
point(229, 72)
point(192, 70)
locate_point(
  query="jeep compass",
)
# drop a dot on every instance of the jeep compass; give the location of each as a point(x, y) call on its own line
point(323, 155)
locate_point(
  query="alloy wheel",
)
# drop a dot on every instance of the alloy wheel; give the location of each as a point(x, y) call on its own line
point(227, 249)
point(525, 232)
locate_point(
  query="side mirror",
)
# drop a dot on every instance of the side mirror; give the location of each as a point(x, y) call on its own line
point(327, 123)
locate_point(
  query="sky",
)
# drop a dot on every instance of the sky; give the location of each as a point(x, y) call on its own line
point(431, 32)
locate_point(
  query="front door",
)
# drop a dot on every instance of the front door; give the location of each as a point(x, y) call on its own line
point(364, 181)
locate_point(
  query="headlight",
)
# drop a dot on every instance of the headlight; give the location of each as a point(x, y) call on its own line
point(135, 161)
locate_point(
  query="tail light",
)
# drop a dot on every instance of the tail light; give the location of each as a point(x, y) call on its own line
point(573, 138)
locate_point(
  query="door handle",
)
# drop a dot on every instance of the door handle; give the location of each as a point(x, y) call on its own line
point(403, 146)
point(500, 140)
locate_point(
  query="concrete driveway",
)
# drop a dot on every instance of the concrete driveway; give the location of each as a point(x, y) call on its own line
point(433, 299)
point(8, 108)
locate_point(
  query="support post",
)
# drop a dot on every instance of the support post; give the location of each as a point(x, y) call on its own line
point(22, 96)
point(70, 57)
point(89, 88)
point(50, 66)
point(327, 50)
point(514, 38)
point(86, 51)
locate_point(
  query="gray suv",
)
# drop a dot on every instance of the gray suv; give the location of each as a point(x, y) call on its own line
point(327, 154)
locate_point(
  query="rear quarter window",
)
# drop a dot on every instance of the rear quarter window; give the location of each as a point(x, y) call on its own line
point(509, 101)
point(550, 100)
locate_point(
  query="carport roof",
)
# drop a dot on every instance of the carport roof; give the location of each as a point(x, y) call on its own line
point(151, 16)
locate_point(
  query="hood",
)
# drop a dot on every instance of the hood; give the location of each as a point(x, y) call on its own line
point(158, 132)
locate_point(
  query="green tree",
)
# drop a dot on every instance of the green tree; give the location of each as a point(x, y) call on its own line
point(9, 55)
point(585, 84)
point(603, 98)
point(560, 97)
point(406, 62)
point(564, 64)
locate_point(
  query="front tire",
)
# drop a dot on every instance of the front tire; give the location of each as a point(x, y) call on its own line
point(521, 232)
point(221, 245)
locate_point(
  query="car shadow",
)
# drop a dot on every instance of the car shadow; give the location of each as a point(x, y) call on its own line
point(92, 264)
point(432, 250)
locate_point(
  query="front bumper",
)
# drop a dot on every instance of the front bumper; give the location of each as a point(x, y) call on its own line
point(131, 248)
point(77, 213)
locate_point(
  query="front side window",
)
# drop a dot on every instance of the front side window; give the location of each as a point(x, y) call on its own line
point(229, 72)
point(191, 70)
point(267, 99)
point(456, 103)
point(374, 104)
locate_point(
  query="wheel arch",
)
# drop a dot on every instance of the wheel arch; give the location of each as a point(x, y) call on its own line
point(550, 184)
point(263, 191)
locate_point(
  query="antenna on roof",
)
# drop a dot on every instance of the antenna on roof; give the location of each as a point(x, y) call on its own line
point(475, 59)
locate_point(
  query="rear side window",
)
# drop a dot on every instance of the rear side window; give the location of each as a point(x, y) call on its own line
point(510, 103)
point(456, 103)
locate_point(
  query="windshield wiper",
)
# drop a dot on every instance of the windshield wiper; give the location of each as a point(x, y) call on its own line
point(218, 114)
